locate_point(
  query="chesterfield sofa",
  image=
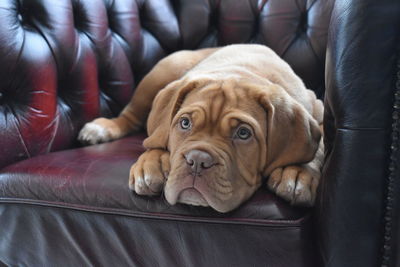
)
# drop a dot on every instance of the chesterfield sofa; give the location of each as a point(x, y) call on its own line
point(66, 62)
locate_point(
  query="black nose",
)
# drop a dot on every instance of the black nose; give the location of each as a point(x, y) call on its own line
point(199, 160)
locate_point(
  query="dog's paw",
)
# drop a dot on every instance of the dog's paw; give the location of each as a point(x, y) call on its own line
point(296, 184)
point(99, 131)
point(149, 173)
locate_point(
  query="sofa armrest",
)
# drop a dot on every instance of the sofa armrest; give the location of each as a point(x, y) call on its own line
point(361, 78)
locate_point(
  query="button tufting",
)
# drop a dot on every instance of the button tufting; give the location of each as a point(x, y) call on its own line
point(303, 23)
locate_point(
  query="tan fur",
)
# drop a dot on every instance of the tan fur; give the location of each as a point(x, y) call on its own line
point(220, 90)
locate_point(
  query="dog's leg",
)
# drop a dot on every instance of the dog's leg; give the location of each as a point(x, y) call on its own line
point(133, 117)
point(298, 184)
point(149, 173)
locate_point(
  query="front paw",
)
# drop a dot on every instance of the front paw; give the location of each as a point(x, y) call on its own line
point(99, 131)
point(296, 184)
point(149, 173)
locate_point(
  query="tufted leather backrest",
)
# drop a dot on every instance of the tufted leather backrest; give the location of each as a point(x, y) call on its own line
point(66, 62)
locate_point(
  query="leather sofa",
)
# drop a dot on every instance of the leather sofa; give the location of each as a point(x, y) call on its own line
point(66, 62)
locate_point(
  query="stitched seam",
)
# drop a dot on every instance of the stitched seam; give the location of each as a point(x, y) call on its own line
point(284, 224)
point(387, 249)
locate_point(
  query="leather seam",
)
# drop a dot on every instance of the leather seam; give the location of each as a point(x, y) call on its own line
point(297, 223)
point(387, 243)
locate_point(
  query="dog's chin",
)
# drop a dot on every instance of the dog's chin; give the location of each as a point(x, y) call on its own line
point(192, 197)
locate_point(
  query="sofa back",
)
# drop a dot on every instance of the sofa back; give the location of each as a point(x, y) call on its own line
point(66, 62)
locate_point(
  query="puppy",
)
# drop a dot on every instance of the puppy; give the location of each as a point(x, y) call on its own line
point(220, 120)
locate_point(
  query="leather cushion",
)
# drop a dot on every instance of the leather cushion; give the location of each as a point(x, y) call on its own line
point(96, 177)
point(75, 207)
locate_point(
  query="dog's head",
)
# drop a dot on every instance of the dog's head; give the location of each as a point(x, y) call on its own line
point(224, 136)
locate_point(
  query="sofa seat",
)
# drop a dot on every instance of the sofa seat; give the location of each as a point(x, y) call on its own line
point(74, 207)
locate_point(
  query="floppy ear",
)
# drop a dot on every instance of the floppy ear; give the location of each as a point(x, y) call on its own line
point(165, 105)
point(292, 133)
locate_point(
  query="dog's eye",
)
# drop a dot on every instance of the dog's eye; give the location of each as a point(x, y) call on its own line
point(185, 123)
point(243, 133)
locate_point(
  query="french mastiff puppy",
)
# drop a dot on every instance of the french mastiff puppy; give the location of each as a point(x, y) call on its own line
point(218, 121)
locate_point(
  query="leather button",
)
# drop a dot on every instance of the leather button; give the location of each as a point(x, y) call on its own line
point(303, 23)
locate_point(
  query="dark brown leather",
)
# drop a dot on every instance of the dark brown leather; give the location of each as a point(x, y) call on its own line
point(66, 62)
point(75, 206)
point(50, 236)
point(362, 63)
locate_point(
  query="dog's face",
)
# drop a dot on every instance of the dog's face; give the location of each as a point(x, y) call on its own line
point(222, 139)
point(212, 143)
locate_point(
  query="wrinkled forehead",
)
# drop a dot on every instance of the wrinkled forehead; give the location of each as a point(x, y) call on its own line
point(225, 99)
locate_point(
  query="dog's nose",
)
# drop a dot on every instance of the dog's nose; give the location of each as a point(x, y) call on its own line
point(199, 160)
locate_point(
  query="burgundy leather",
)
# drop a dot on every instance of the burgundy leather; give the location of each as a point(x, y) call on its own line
point(69, 61)
point(76, 206)
point(96, 177)
point(66, 62)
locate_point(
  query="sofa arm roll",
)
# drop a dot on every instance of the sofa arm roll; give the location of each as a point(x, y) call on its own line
point(360, 79)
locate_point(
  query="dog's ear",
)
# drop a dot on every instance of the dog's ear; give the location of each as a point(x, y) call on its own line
point(292, 133)
point(165, 105)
